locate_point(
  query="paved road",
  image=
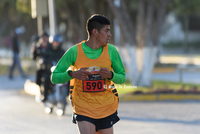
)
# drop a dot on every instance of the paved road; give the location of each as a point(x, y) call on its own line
point(20, 114)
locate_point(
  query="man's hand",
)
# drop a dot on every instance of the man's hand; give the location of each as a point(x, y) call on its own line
point(81, 74)
point(105, 73)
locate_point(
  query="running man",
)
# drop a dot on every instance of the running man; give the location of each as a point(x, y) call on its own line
point(93, 95)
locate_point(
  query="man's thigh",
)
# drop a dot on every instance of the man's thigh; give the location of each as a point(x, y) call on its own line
point(86, 127)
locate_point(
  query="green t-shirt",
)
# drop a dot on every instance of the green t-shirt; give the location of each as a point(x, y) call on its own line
point(60, 74)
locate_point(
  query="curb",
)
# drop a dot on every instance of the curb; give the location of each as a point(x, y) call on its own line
point(161, 97)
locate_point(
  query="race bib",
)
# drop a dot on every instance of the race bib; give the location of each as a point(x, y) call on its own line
point(94, 83)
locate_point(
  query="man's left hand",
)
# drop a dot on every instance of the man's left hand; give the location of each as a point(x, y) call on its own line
point(105, 73)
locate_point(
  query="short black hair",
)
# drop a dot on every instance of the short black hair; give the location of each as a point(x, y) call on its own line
point(96, 21)
point(44, 34)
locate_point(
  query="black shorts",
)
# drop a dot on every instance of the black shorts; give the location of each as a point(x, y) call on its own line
point(102, 123)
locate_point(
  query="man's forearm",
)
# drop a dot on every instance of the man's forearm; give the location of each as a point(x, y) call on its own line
point(60, 77)
point(118, 78)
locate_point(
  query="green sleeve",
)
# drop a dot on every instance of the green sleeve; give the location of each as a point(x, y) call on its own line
point(117, 65)
point(60, 74)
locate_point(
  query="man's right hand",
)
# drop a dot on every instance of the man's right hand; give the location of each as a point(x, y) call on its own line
point(81, 74)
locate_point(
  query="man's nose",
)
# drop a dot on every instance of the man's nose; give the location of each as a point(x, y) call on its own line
point(109, 34)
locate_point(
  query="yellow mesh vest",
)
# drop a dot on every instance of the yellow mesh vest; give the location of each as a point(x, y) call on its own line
point(93, 104)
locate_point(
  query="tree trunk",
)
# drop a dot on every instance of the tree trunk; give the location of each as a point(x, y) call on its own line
point(127, 52)
point(140, 59)
point(128, 55)
point(149, 50)
point(73, 25)
point(91, 7)
point(148, 65)
point(127, 19)
point(160, 16)
point(140, 37)
point(82, 19)
point(126, 31)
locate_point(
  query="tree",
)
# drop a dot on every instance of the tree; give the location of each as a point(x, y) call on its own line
point(142, 45)
point(16, 13)
point(140, 22)
point(186, 8)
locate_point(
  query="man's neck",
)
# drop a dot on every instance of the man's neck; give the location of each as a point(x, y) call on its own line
point(92, 43)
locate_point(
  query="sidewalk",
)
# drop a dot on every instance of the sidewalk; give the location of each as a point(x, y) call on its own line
point(16, 83)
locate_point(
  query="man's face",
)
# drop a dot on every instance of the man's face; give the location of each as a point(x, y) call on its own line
point(45, 38)
point(104, 35)
point(44, 41)
point(55, 45)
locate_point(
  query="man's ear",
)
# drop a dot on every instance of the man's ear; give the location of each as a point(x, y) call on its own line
point(94, 32)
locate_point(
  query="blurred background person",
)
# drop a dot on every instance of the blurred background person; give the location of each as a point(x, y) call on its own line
point(38, 54)
point(34, 40)
point(47, 52)
point(15, 44)
point(52, 55)
point(55, 50)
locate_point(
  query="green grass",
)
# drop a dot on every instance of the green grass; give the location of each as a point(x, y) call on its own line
point(156, 85)
point(173, 85)
point(29, 70)
point(125, 88)
point(4, 70)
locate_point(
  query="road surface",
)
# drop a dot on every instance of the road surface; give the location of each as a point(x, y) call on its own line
point(21, 114)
